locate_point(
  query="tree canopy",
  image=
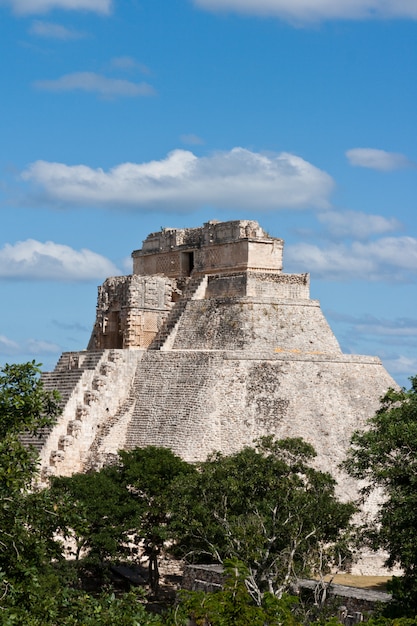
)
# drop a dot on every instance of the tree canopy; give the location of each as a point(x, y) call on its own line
point(385, 456)
point(113, 511)
point(26, 534)
point(265, 506)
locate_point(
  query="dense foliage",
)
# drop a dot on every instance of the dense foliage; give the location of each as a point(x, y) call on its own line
point(266, 507)
point(115, 510)
point(385, 456)
point(26, 516)
point(37, 588)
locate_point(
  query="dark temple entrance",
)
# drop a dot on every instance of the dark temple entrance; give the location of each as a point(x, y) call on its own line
point(187, 262)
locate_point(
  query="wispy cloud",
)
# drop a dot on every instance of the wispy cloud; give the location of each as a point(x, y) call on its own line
point(49, 30)
point(305, 11)
point(370, 325)
point(374, 159)
point(385, 259)
point(238, 179)
point(38, 346)
point(192, 140)
point(74, 326)
point(127, 264)
point(8, 347)
point(401, 365)
point(357, 224)
point(127, 63)
point(91, 82)
point(34, 260)
point(33, 7)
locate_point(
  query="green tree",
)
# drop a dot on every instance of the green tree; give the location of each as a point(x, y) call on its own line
point(72, 607)
point(385, 456)
point(124, 509)
point(266, 507)
point(148, 475)
point(26, 526)
point(99, 514)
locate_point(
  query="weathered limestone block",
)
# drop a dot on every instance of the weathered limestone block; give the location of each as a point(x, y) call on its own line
point(107, 367)
point(90, 397)
point(81, 412)
point(65, 441)
point(129, 308)
point(47, 472)
point(98, 383)
point(74, 428)
point(57, 456)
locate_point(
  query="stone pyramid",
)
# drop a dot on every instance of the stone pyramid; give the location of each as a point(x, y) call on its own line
point(207, 346)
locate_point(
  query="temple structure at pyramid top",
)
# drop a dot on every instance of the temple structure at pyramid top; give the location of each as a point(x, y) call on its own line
point(216, 247)
point(175, 267)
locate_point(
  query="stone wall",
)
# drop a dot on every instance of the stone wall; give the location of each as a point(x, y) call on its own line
point(249, 324)
point(210, 578)
point(195, 402)
point(259, 285)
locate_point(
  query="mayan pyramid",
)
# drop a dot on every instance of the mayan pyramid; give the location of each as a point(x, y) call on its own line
point(207, 346)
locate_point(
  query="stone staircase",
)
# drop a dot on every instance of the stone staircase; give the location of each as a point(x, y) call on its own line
point(194, 290)
point(68, 372)
point(98, 388)
point(64, 379)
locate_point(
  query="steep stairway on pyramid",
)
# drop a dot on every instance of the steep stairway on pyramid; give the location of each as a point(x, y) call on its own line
point(64, 379)
point(194, 290)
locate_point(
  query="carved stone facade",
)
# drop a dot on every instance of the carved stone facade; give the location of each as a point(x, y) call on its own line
point(216, 247)
point(208, 346)
point(130, 311)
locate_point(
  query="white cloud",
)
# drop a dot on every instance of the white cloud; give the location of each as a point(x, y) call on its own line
point(388, 258)
point(53, 31)
point(127, 264)
point(369, 324)
point(383, 330)
point(304, 11)
point(357, 224)
point(32, 7)
point(34, 260)
point(377, 159)
point(237, 179)
point(96, 83)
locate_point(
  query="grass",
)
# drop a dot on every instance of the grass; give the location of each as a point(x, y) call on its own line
point(377, 583)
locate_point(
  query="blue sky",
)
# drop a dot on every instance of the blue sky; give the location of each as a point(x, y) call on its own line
point(122, 117)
